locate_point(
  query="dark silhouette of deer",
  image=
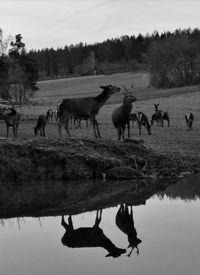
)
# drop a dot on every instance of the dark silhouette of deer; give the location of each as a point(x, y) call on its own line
point(124, 221)
point(87, 107)
point(157, 116)
point(189, 117)
point(12, 119)
point(89, 237)
point(41, 124)
point(120, 115)
point(143, 121)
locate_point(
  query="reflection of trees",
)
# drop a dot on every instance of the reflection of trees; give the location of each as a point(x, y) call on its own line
point(187, 189)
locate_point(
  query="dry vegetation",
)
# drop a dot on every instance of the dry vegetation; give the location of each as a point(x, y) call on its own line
point(176, 101)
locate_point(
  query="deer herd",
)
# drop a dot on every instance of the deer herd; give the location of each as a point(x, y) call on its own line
point(72, 111)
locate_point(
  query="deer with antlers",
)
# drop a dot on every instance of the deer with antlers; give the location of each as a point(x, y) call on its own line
point(120, 115)
point(124, 221)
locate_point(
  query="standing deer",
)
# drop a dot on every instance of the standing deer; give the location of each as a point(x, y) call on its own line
point(120, 116)
point(51, 116)
point(87, 107)
point(157, 116)
point(41, 124)
point(189, 117)
point(89, 237)
point(124, 221)
point(11, 119)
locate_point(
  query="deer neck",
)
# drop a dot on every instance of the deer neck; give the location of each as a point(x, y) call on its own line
point(102, 98)
point(127, 107)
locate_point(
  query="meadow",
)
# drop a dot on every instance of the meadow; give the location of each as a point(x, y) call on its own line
point(173, 139)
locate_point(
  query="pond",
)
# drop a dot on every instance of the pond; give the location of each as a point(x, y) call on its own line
point(163, 231)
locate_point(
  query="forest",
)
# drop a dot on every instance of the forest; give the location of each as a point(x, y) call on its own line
point(171, 58)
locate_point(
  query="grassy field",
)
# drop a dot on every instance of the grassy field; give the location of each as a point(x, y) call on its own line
point(163, 139)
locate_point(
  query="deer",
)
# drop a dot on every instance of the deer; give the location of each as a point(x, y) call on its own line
point(120, 115)
point(189, 117)
point(133, 118)
point(89, 237)
point(159, 116)
point(51, 116)
point(143, 121)
point(41, 124)
point(124, 221)
point(87, 107)
point(76, 121)
point(12, 119)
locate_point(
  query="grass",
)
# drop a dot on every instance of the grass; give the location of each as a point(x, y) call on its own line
point(163, 139)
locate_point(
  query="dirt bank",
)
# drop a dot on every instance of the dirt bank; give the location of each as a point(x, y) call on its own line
point(24, 161)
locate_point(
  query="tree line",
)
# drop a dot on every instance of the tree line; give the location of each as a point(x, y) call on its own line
point(172, 59)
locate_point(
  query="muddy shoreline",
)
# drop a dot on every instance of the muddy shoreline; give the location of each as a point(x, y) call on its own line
point(71, 176)
point(23, 161)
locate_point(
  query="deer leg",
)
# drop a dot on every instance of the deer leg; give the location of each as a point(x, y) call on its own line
point(7, 130)
point(13, 132)
point(67, 127)
point(122, 133)
point(64, 224)
point(94, 126)
point(97, 127)
point(119, 132)
point(128, 127)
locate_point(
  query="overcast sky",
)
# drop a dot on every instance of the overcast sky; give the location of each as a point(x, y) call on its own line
point(55, 23)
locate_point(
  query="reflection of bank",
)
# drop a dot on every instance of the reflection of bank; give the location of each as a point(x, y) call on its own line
point(125, 222)
point(89, 237)
point(95, 237)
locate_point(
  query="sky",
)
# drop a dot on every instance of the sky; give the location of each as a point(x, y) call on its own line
point(57, 23)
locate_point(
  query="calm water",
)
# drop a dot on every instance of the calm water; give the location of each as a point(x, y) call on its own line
point(168, 226)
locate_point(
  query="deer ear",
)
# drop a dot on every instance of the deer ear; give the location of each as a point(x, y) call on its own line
point(102, 87)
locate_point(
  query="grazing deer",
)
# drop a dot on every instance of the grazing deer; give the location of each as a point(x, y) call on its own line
point(124, 221)
point(41, 124)
point(189, 117)
point(143, 121)
point(87, 107)
point(133, 118)
point(157, 116)
point(120, 116)
point(11, 119)
point(89, 237)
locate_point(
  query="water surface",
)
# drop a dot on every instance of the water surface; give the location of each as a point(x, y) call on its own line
point(168, 226)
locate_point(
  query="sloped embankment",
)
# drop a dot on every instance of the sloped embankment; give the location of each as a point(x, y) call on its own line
point(71, 159)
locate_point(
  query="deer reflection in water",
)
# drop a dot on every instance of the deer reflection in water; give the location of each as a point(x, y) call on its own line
point(89, 237)
point(125, 222)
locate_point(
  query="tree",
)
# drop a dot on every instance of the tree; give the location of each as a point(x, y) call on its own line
point(173, 62)
point(23, 71)
point(4, 85)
